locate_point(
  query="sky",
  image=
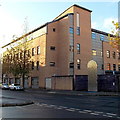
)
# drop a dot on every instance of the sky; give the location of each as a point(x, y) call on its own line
point(16, 14)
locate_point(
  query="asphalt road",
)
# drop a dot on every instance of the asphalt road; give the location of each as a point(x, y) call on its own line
point(62, 106)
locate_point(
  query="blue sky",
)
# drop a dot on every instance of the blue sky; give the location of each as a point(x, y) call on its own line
point(13, 14)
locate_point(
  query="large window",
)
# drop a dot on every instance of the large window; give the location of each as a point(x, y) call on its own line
point(108, 54)
point(78, 48)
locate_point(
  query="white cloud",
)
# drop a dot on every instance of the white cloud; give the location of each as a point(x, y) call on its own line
point(107, 24)
point(9, 26)
point(94, 25)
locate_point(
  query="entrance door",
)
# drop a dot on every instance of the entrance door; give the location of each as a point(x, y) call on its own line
point(35, 82)
point(92, 75)
point(48, 83)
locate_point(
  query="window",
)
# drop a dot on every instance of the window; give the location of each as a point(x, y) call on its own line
point(32, 65)
point(108, 54)
point(78, 19)
point(71, 30)
point(38, 50)
point(52, 47)
point(78, 64)
point(78, 30)
point(113, 54)
point(94, 52)
point(101, 54)
point(102, 37)
point(114, 67)
point(118, 56)
point(29, 53)
point(71, 65)
point(53, 29)
point(93, 35)
point(118, 67)
point(102, 67)
point(71, 48)
point(52, 63)
point(108, 66)
point(37, 64)
point(33, 51)
point(78, 48)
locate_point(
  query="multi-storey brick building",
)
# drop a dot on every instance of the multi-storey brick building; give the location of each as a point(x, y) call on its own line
point(64, 48)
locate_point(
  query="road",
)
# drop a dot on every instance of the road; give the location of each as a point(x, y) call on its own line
point(62, 106)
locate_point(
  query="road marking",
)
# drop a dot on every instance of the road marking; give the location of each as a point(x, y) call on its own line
point(118, 117)
point(98, 112)
point(94, 113)
point(77, 109)
point(70, 110)
point(87, 110)
point(112, 114)
point(63, 107)
point(82, 112)
point(59, 108)
point(53, 105)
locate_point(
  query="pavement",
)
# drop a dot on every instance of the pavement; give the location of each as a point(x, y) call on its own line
point(6, 101)
point(9, 101)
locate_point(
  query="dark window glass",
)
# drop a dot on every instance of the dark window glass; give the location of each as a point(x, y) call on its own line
point(78, 48)
point(114, 67)
point(53, 29)
point(71, 65)
point(78, 30)
point(113, 54)
point(71, 30)
point(52, 63)
point(32, 65)
point(37, 65)
point(52, 47)
point(93, 35)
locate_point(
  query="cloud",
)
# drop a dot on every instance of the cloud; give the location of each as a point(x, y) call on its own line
point(94, 25)
point(107, 24)
point(9, 26)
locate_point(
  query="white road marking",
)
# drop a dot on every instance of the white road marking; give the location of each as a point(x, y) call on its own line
point(87, 110)
point(98, 112)
point(118, 117)
point(63, 107)
point(94, 113)
point(77, 109)
point(59, 108)
point(112, 114)
point(82, 112)
point(70, 110)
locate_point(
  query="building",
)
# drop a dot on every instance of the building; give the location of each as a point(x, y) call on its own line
point(65, 48)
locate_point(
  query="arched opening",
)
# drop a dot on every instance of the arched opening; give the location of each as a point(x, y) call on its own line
point(92, 75)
